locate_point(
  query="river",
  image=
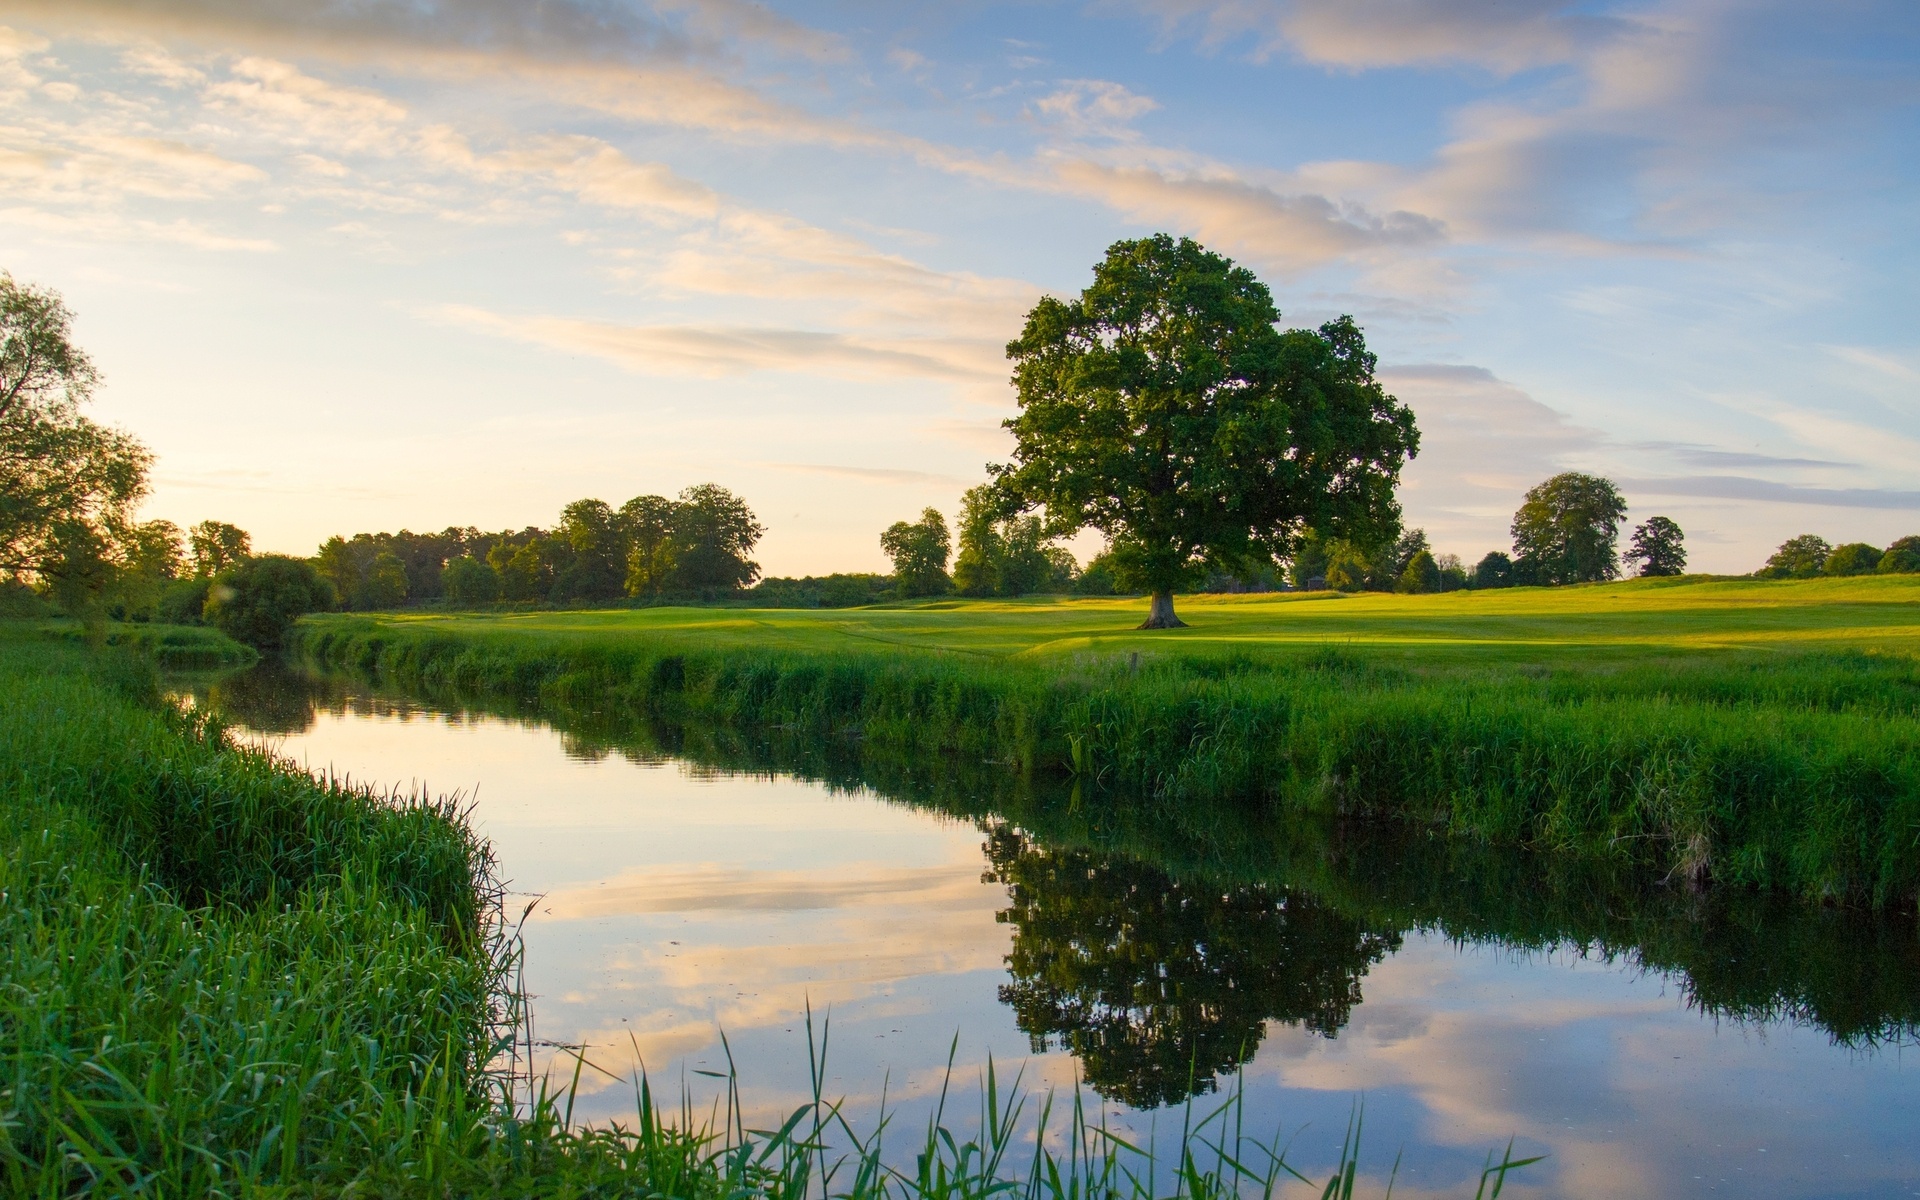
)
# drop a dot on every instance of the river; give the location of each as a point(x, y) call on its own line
point(1650, 1042)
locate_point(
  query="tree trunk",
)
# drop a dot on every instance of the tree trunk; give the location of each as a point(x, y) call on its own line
point(1160, 615)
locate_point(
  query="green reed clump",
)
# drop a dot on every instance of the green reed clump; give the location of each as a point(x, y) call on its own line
point(1796, 771)
point(219, 977)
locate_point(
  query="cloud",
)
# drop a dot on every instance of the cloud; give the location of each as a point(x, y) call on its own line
point(588, 167)
point(96, 226)
point(1505, 36)
point(1093, 108)
point(1285, 232)
point(280, 95)
point(1740, 487)
point(774, 257)
point(716, 350)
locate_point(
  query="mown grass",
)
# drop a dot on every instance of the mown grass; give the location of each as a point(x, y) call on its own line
point(219, 977)
point(1592, 720)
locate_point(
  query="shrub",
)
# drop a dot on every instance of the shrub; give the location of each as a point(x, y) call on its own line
point(1421, 576)
point(258, 601)
point(1797, 558)
point(184, 601)
point(1902, 558)
point(1494, 571)
point(1854, 558)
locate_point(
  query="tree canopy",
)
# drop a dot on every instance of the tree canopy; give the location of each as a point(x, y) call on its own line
point(1798, 557)
point(1163, 408)
point(1566, 530)
point(919, 551)
point(1659, 547)
point(64, 480)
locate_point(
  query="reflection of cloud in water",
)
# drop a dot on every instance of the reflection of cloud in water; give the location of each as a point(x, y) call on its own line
point(710, 887)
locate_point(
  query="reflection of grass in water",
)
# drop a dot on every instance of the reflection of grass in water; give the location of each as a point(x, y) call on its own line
point(221, 977)
point(1590, 719)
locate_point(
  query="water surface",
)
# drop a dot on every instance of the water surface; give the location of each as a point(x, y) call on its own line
point(1651, 1042)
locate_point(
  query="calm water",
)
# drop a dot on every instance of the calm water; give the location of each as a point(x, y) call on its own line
point(1653, 1044)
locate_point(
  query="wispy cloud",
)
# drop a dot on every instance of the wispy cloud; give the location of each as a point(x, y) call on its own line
point(716, 350)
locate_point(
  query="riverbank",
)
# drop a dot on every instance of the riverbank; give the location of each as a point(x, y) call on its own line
point(1738, 732)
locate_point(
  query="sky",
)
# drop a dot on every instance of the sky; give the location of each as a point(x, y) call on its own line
point(353, 265)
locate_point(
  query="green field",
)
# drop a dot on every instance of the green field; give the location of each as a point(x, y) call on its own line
point(1607, 623)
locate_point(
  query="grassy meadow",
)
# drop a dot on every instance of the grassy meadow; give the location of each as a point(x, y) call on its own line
point(1748, 732)
point(1592, 625)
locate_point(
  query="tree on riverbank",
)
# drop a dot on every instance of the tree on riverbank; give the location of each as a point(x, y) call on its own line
point(1163, 408)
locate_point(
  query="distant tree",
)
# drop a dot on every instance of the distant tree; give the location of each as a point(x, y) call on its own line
point(594, 535)
point(1163, 408)
point(1098, 578)
point(217, 546)
point(1659, 547)
point(384, 585)
point(470, 581)
point(57, 468)
point(184, 601)
point(339, 563)
point(76, 569)
point(1797, 558)
point(521, 567)
point(919, 552)
point(1854, 558)
point(258, 601)
point(1453, 575)
point(1421, 576)
point(1348, 569)
point(1311, 555)
point(1493, 571)
point(1901, 558)
point(976, 571)
point(149, 559)
point(1565, 531)
point(652, 551)
point(714, 531)
point(1387, 563)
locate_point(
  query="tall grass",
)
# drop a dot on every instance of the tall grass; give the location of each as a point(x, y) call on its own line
point(219, 977)
point(1794, 771)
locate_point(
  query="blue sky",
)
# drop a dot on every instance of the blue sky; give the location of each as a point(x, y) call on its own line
point(392, 263)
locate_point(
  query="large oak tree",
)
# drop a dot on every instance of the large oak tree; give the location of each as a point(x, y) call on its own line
point(1164, 408)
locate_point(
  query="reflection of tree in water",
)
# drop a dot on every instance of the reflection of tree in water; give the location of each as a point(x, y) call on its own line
point(1158, 988)
point(268, 698)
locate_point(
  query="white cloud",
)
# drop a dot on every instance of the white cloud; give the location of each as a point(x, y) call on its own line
point(1286, 232)
point(717, 350)
point(280, 95)
point(94, 226)
point(1094, 108)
